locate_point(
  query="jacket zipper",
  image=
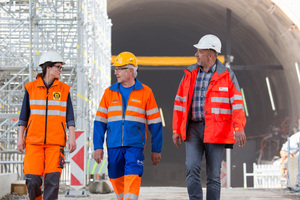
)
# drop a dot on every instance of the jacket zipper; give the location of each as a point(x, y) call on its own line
point(46, 116)
point(123, 116)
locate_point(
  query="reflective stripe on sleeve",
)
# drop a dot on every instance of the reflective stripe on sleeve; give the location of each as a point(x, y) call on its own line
point(179, 108)
point(236, 97)
point(237, 106)
point(152, 111)
point(154, 121)
point(101, 119)
point(179, 98)
point(103, 110)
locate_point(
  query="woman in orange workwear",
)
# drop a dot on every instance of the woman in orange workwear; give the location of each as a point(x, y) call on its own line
point(46, 110)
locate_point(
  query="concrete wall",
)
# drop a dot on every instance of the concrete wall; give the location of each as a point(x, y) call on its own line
point(6, 181)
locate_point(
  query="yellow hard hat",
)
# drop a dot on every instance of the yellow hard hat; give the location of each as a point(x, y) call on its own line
point(125, 58)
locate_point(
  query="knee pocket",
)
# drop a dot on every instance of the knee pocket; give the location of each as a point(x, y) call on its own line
point(33, 184)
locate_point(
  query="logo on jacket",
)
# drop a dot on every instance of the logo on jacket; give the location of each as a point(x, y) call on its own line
point(139, 162)
point(135, 100)
point(56, 95)
point(223, 89)
point(115, 100)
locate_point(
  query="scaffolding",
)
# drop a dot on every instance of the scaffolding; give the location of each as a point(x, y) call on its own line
point(80, 31)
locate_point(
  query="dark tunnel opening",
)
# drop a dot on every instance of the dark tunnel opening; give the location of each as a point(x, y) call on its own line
point(165, 29)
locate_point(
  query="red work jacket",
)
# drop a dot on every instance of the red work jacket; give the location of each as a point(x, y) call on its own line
point(224, 110)
point(47, 120)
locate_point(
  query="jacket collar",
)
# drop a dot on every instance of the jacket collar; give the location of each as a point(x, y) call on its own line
point(137, 86)
point(40, 82)
point(220, 67)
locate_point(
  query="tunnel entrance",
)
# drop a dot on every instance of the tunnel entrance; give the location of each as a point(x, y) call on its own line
point(170, 28)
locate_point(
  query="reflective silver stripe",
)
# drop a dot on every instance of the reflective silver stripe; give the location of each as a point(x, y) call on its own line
point(103, 110)
point(101, 119)
point(37, 112)
point(37, 102)
point(238, 106)
point(136, 109)
point(57, 103)
point(135, 119)
point(236, 97)
point(154, 121)
point(120, 196)
point(50, 112)
point(221, 111)
point(220, 99)
point(115, 118)
point(152, 111)
point(131, 196)
point(115, 108)
point(179, 108)
point(50, 102)
point(179, 98)
point(57, 112)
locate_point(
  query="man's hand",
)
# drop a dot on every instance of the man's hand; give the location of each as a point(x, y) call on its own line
point(177, 139)
point(240, 138)
point(155, 158)
point(98, 155)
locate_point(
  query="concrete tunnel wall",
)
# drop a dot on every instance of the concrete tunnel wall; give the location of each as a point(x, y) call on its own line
point(259, 37)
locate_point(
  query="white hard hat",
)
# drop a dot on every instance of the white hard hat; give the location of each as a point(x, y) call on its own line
point(209, 42)
point(50, 56)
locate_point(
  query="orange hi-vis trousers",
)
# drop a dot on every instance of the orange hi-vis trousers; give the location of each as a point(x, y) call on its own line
point(125, 169)
point(43, 162)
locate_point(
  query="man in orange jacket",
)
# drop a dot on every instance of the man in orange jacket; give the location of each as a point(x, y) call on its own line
point(208, 115)
point(126, 109)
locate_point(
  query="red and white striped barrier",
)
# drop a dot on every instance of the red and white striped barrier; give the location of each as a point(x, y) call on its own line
point(77, 161)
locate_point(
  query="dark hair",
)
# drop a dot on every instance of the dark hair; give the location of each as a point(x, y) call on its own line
point(44, 68)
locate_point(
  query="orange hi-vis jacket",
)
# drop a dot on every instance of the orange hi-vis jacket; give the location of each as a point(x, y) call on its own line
point(47, 120)
point(128, 127)
point(224, 110)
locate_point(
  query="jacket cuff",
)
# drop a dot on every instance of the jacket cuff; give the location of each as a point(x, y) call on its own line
point(238, 128)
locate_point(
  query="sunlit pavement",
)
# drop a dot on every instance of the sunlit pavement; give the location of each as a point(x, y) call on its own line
point(180, 193)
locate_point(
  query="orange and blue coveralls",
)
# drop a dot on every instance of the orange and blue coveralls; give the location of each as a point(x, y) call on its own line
point(224, 109)
point(126, 135)
point(44, 113)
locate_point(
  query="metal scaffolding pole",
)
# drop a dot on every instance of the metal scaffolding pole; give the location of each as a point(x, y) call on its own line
point(79, 30)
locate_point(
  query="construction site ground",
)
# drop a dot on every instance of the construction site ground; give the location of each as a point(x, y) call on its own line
point(180, 193)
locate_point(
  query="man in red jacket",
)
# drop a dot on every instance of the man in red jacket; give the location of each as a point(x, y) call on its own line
point(208, 115)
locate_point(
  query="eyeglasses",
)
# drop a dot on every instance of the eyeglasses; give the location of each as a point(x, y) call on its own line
point(59, 67)
point(120, 69)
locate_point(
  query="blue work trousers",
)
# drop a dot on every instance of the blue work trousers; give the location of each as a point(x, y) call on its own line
point(194, 152)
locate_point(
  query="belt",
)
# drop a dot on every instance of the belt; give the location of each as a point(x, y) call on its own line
point(197, 122)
